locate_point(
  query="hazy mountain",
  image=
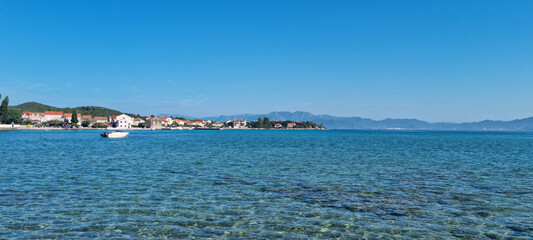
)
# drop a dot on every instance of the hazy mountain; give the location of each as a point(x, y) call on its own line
point(333, 122)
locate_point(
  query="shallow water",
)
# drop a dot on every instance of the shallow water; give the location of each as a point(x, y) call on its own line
point(266, 184)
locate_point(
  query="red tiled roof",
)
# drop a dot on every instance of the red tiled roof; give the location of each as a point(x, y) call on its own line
point(86, 117)
point(30, 113)
point(150, 118)
point(100, 118)
point(53, 113)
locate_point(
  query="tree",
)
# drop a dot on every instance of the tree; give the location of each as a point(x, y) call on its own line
point(74, 120)
point(85, 123)
point(259, 122)
point(4, 111)
point(13, 116)
point(266, 122)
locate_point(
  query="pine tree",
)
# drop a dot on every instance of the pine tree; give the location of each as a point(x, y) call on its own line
point(4, 110)
point(74, 117)
point(259, 122)
point(266, 122)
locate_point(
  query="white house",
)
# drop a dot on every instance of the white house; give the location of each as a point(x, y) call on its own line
point(53, 115)
point(137, 121)
point(33, 116)
point(101, 120)
point(179, 122)
point(123, 121)
point(239, 123)
point(217, 124)
point(68, 117)
point(167, 121)
point(196, 122)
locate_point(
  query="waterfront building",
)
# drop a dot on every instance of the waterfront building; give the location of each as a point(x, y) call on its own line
point(154, 122)
point(36, 117)
point(138, 121)
point(278, 125)
point(239, 123)
point(86, 118)
point(123, 121)
point(53, 116)
point(218, 124)
point(112, 118)
point(101, 120)
point(179, 122)
point(197, 123)
point(166, 121)
point(291, 125)
point(67, 117)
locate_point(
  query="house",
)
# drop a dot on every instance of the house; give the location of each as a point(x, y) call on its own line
point(87, 118)
point(123, 121)
point(179, 122)
point(166, 121)
point(138, 121)
point(112, 118)
point(239, 123)
point(278, 125)
point(36, 117)
point(154, 123)
point(67, 117)
point(101, 120)
point(197, 122)
point(53, 115)
point(217, 124)
point(291, 125)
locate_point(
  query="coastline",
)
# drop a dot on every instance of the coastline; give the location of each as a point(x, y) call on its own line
point(17, 128)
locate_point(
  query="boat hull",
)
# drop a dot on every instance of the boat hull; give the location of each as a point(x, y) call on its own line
point(115, 134)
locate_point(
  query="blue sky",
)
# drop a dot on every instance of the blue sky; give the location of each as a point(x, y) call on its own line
point(431, 60)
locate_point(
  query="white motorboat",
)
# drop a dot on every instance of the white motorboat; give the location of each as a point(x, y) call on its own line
point(115, 134)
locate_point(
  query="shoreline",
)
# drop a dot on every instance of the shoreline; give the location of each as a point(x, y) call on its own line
point(133, 129)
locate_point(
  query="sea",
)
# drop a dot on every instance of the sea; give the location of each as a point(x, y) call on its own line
point(266, 184)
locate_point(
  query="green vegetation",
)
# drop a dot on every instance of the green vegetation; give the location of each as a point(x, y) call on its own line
point(14, 116)
point(74, 119)
point(4, 111)
point(84, 110)
point(85, 123)
point(266, 123)
point(9, 115)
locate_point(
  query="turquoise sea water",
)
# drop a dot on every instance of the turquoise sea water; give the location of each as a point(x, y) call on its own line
point(266, 184)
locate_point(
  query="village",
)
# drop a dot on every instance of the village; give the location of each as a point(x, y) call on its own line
point(59, 119)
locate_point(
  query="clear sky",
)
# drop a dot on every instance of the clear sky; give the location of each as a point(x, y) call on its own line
point(431, 60)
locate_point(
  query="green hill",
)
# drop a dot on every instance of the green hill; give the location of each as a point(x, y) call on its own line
point(84, 110)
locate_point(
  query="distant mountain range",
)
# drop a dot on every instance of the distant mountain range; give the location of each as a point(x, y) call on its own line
point(333, 122)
